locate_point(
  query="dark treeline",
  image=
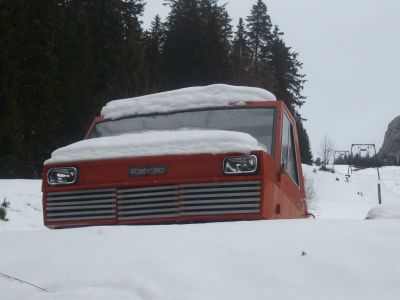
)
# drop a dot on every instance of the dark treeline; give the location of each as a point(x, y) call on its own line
point(62, 60)
point(358, 160)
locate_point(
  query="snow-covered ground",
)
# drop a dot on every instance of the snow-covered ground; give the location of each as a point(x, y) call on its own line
point(340, 255)
point(337, 199)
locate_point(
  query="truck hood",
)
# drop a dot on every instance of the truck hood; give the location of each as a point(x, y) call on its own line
point(157, 143)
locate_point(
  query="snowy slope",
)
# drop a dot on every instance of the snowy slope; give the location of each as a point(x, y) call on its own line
point(340, 255)
point(337, 199)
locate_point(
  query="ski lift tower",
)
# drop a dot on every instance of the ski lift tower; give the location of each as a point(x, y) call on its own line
point(340, 153)
point(364, 148)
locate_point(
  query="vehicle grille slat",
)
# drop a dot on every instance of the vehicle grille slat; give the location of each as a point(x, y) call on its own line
point(145, 211)
point(234, 197)
point(225, 183)
point(229, 200)
point(80, 218)
point(139, 195)
point(81, 205)
point(150, 205)
point(169, 201)
point(97, 212)
point(242, 211)
point(73, 203)
point(215, 195)
point(149, 200)
point(152, 216)
point(227, 206)
point(101, 191)
point(80, 197)
point(222, 189)
point(151, 189)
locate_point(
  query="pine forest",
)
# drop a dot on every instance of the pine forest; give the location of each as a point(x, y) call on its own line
point(62, 60)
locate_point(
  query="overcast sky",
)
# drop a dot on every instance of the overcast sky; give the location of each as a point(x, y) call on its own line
point(350, 53)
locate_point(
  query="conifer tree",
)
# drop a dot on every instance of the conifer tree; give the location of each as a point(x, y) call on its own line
point(215, 41)
point(28, 83)
point(196, 43)
point(286, 70)
point(240, 56)
point(304, 143)
point(259, 28)
point(154, 40)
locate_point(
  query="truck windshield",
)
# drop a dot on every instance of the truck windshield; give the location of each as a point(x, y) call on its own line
point(258, 122)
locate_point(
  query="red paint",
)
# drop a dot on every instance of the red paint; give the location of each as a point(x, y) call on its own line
point(199, 168)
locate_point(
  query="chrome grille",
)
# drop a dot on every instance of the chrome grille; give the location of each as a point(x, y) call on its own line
point(236, 197)
point(81, 205)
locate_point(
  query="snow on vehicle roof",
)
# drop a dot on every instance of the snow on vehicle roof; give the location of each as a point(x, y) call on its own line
point(186, 98)
point(152, 143)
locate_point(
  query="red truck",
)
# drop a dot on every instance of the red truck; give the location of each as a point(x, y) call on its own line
point(212, 153)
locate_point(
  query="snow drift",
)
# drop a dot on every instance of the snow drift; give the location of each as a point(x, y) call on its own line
point(188, 98)
point(384, 212)
point(152, 143)
point(310, 259)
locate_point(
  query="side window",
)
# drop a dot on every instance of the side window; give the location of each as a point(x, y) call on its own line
point(288, 154)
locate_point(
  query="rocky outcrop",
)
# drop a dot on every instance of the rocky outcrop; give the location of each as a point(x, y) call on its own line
point(390, 151)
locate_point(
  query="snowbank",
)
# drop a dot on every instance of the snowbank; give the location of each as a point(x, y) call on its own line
point(291, 259)
point(25, 205)
point(384, 212)
point(152, 143)
point(281, 259)
point(188, 98)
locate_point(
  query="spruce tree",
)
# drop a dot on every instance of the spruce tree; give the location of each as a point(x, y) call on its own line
point(304, 143)
point(28, 85)
point(215, 41)
point(286, 70)
point(197, 43)
point(240, 56)
point(259, 35)
point(154, 41)
point(259, 28)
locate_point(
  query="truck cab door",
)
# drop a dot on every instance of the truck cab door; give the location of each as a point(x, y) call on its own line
point(291, 203)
